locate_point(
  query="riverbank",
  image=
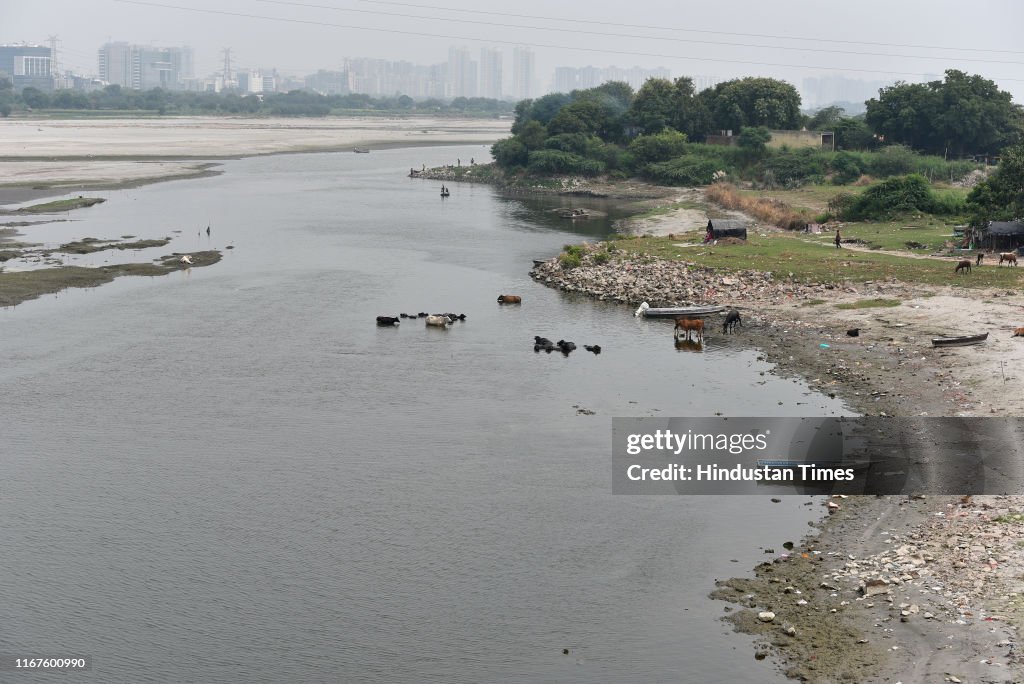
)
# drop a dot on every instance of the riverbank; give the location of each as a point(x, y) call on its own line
point(973, 561)
point(51, 157)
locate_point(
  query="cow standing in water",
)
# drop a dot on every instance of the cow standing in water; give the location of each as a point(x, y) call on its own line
point(689, 325)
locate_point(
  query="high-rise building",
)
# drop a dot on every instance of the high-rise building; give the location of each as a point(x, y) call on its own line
point(568, 79)
point(462, 71)
point(27, 66)
point(490, 73)
point(142, 67)
point(523, 78)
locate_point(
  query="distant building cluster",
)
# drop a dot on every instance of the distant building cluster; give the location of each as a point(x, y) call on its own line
point(466, 73)
point(568, 79)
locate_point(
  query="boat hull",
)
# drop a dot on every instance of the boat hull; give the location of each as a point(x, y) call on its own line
point(962, 341)
point(683, 312)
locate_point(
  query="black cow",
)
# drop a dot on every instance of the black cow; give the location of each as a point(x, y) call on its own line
point(387, 320)
point(732, 319)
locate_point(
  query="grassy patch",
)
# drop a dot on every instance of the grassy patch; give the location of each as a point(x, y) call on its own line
point(668, 209)
point(814, 302)
point(813, 198)
point(24, 285)
point(869, 304)
point(61, 205)
point(787, 255)
point(90, 245)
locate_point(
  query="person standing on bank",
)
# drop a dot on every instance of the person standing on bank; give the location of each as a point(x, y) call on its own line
point(838, 239)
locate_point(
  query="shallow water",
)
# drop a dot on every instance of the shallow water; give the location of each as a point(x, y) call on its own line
point(231, 474)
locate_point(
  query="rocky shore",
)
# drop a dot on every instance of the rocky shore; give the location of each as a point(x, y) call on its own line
point(891, 589)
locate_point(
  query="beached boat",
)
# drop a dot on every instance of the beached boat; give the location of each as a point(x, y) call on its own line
point(362, 150)
point(961, 341)
point(683, 312)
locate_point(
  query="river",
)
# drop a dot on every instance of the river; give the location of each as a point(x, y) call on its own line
point(232, 474)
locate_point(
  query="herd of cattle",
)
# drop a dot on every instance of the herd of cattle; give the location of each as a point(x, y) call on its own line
point(965, 264)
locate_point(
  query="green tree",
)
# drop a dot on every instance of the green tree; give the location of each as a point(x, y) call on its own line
point(690, 115)
point(854, 134)
point(754, 139)
point(35, 98)
point(1001, 196)
point(962, 114)
point(654, 105)
point(753, 102)
point(825, 118)
point(532, 135)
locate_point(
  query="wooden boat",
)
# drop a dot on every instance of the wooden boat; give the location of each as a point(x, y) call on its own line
point(683, 312)
point(961, 341)
point(361, 150)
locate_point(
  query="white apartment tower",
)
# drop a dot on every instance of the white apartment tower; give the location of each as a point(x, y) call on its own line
point(461, 73)
point(523, 83)
point(490, 73)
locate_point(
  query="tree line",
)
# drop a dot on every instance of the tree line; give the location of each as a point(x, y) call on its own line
point(293, 103)
point(657, 131)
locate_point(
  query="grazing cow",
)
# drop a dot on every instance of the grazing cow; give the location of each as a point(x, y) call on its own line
point(964, 265)
point(386, 320)
point(1019, 332)
point(510, 299)
point(732, 319)
point(596, 348)
point(690, 325)
point(1009, 257)
point(438, 321)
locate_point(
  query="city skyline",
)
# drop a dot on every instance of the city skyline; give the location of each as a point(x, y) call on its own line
point(871, 41)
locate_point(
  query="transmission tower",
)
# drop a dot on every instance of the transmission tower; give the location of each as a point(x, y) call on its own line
point(54, 61)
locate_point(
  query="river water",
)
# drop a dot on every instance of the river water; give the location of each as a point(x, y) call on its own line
point(231, 474)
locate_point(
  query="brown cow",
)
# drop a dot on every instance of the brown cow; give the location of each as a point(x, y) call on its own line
point(1009, 257)
point(510, 299)
point(964, 265)
point(688, 325)
point(1019, 332)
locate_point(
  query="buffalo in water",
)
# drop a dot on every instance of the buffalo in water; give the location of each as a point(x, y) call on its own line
point(387, 320)
point(510, 299)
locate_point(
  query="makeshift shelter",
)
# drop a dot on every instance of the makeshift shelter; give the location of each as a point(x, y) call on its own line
point(726, 228)
point(1003, 235)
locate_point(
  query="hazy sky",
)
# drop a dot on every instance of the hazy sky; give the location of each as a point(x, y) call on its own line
point(868, 39)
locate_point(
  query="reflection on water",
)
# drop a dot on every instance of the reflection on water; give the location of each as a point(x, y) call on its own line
point(689, 345)
point(236, 463)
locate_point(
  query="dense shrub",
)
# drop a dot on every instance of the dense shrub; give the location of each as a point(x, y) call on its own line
point(900, 195)
point(846, 168)
point(682, 171)
point(555, 161)
point(660, 147)
point(795, 167)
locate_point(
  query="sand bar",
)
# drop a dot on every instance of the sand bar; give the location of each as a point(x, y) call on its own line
point(71, 153)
